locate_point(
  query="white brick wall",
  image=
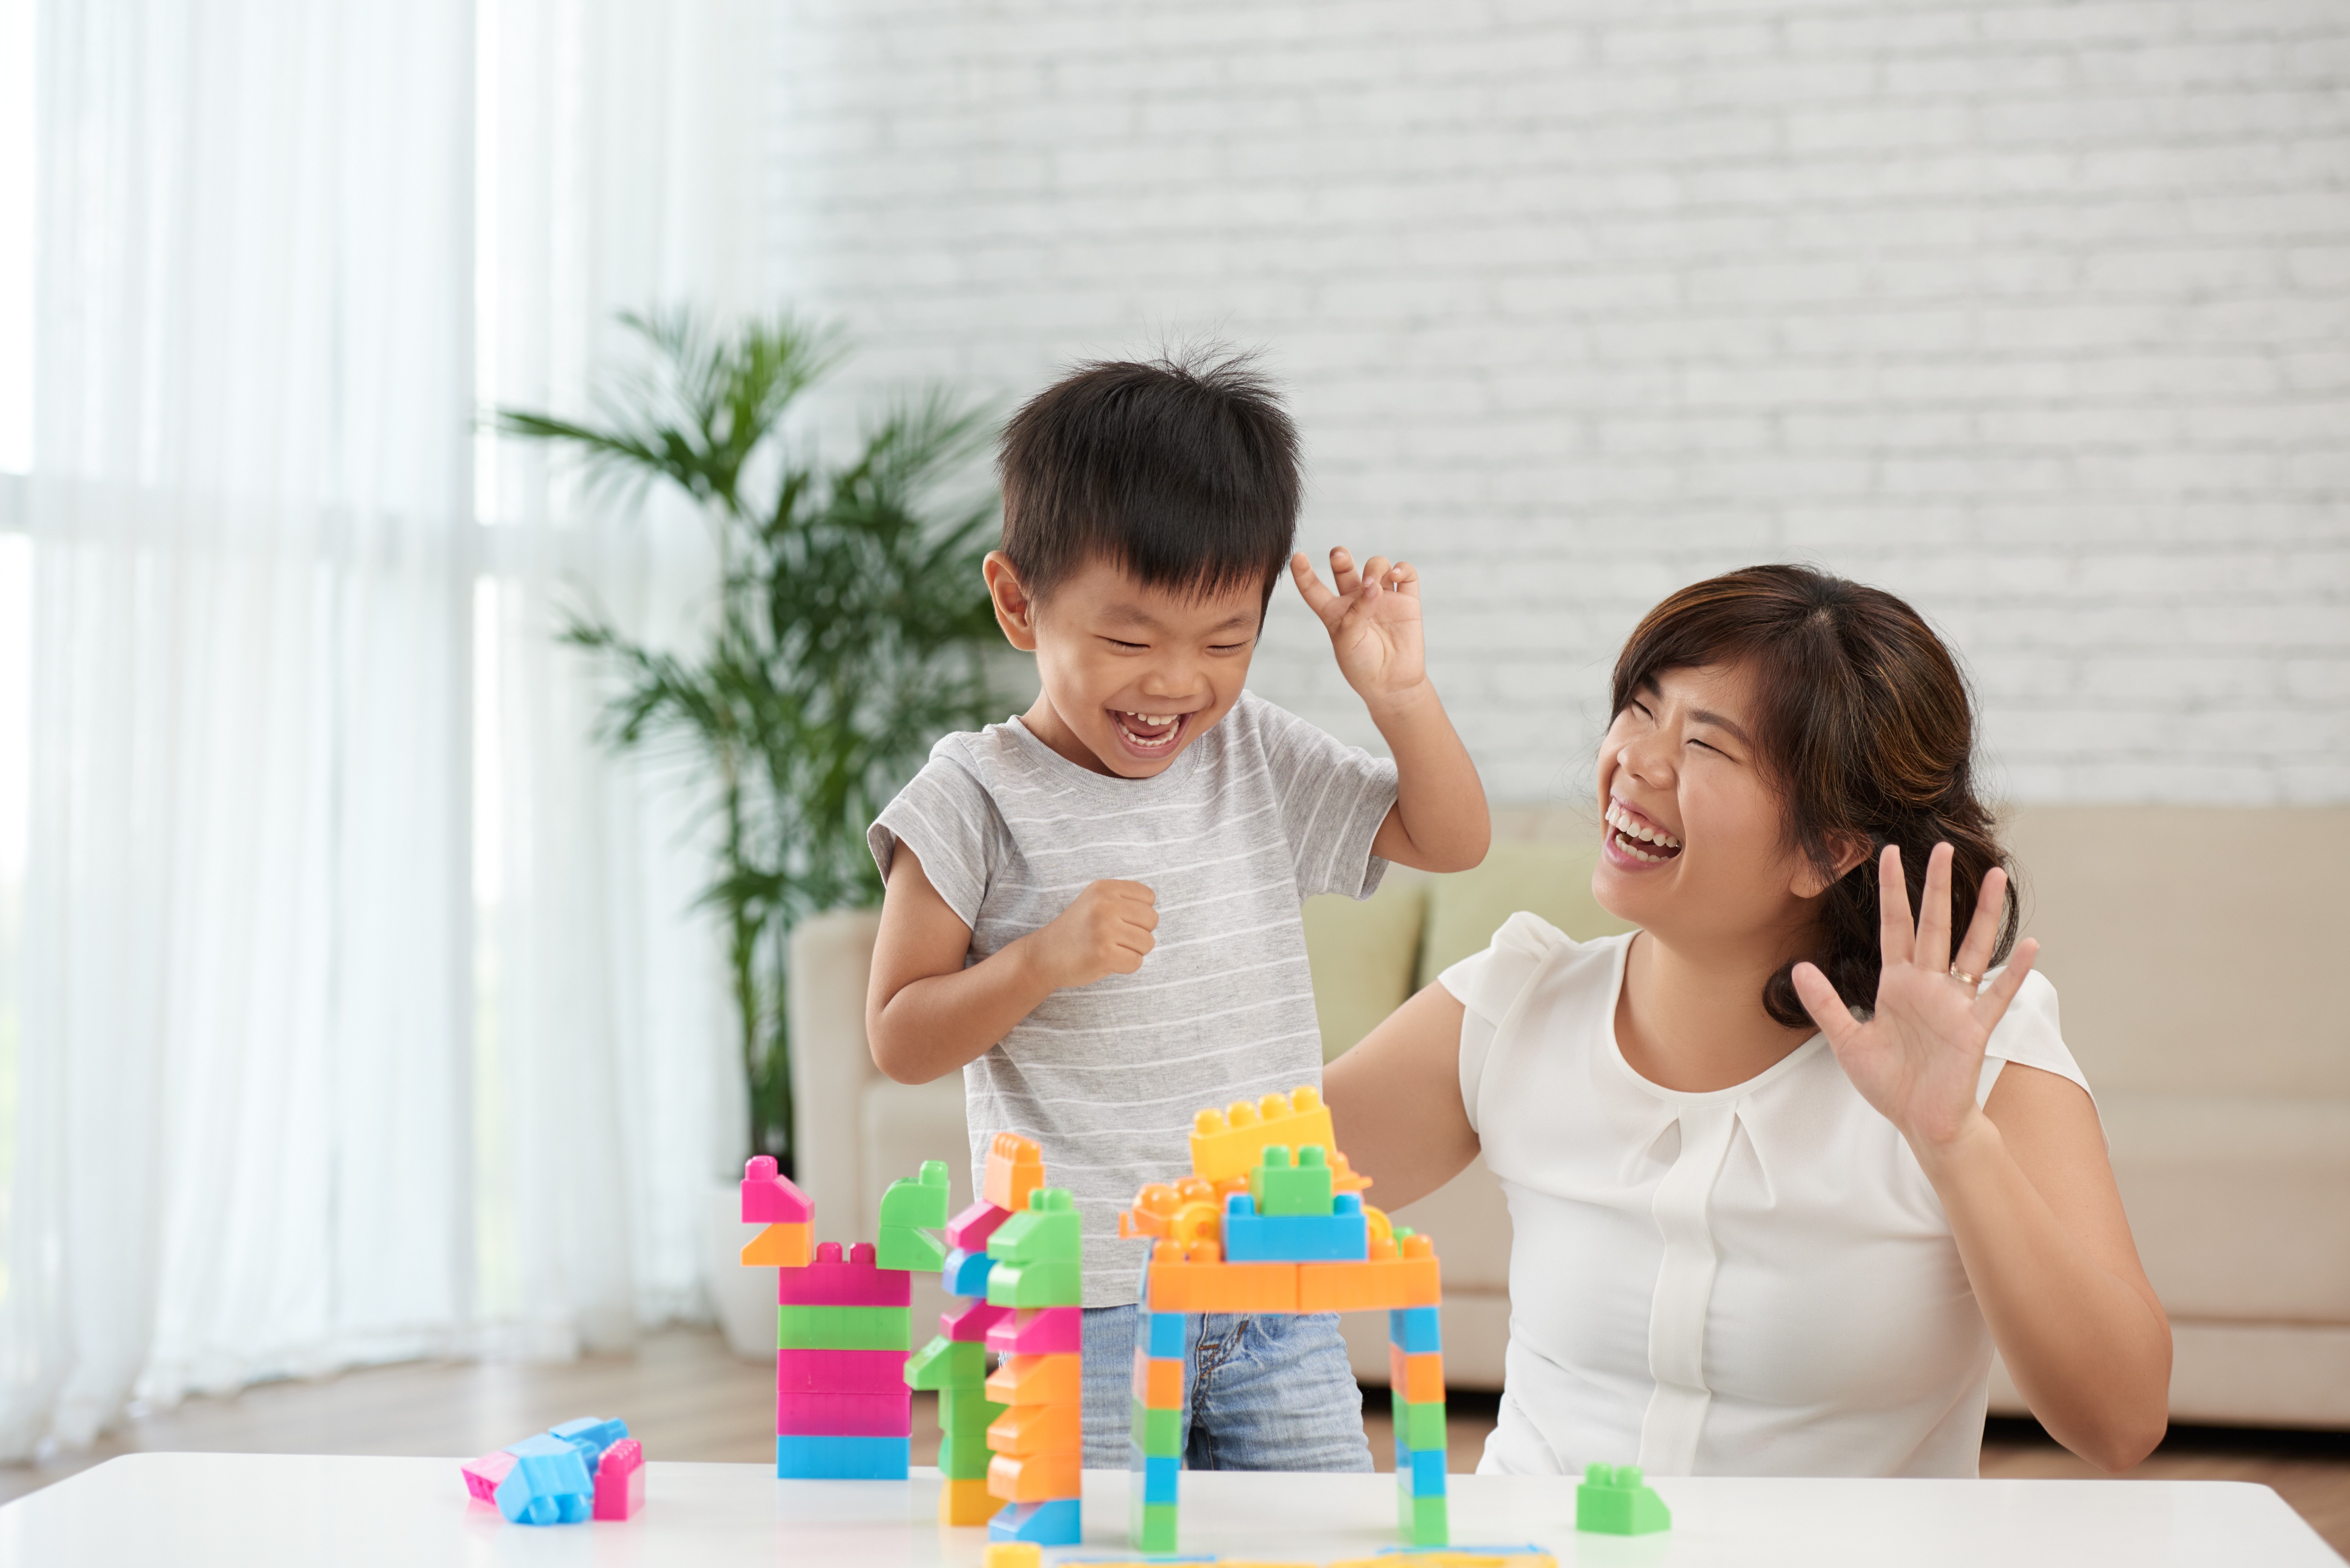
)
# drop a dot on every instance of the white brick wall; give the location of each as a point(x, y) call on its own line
point(2037, 313)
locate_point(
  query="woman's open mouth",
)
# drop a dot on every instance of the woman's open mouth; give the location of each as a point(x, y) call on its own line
point(1149, 734)
point(1639, 841)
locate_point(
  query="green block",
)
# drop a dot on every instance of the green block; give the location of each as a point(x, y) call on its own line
point(1160, 1432)
point(843, 1328)
point(1048, 1231)
point(1419, 1426)
point(1048, 1282)
point(1422, 1521)
point(966, 1414)
point(1281, 1187)
point(965, 1459)
point(947, 1364)
point(1612, 1501)
point(1153, 1523)
point(902, 1247)
point(918, 1203)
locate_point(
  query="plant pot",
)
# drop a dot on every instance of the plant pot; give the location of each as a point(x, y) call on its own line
point(744, 1298)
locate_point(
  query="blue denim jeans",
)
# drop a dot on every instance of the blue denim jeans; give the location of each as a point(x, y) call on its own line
point(1271, 1393)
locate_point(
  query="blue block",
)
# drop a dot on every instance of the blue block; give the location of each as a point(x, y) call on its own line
point(548, 1484)
point(1159, 1478)
point(1254, 1238)
point(1420, 1470)
point(965, 1273)
point(591, 1436)
point(802, 1457)
point(1415, 1329)
point(1054, 1523)
point(1166, 1335)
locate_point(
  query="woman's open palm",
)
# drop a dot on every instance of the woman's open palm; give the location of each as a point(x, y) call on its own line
point(1918, 1058)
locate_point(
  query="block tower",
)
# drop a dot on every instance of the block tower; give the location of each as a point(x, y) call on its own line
point(843, 1406)
point(1272, 1219)
point(954, 1363)
point(1036, 1277)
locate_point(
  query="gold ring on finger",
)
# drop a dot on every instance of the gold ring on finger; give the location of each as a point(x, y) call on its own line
point(1971, 982)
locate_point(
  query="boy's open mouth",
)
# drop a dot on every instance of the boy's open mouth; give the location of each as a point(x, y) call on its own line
point(1637, 840)
point(1149, 732)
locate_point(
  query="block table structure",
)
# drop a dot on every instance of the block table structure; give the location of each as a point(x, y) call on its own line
point(1272, 1219)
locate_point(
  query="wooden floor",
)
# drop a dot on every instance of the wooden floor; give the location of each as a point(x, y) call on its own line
point(687, 1398)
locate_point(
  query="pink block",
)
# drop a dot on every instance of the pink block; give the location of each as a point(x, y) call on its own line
point(770, 1198)
point(483, 1475)
point(971, 1229)
point(832, 1280)
point(846, 1414)
point(1040, 1330)
point(971, 1325)
point(840, 1371)
point(621, 1481)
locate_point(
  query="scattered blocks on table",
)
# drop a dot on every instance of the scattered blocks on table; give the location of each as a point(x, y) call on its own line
point(621, 1482)
point(1226, 1144)
point(483, 1475)
point(1015, 1167)
point(1039, 1331)
point(1251, 1237)
point(1055, 1523)
point(806, 1456)
point(1612, 1501)
point(1280, 1186)
point(591, 1435)
point(842, 1327)
point(548, 1484)
point(966, 1501)
point(856, 1279)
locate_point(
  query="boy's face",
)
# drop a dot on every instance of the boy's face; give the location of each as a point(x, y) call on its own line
point(1131, 675)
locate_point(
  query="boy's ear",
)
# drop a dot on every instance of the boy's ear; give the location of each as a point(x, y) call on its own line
point(1016, 607)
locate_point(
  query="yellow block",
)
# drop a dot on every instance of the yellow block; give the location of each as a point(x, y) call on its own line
point(1225, 1144)
point(967, 1502)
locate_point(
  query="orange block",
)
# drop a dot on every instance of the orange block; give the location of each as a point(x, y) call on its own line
point(1015, 1167)
point(966, 1502)
point(783, 1245)
point(1037, 1380)
point(1159, 1383)
point(1179, 1284)
point(1039, 1479)
point(1419, 1378)
point(1350, 1287)
point(1027, 1432)
point(1423, 1283)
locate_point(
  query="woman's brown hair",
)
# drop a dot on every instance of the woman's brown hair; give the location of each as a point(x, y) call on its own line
point(1866, 728)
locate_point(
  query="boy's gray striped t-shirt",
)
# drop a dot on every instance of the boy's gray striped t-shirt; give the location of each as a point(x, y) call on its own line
point(1252, 817)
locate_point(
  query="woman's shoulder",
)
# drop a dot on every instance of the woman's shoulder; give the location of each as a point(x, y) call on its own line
point(1526, 949)
point(2031, 1033)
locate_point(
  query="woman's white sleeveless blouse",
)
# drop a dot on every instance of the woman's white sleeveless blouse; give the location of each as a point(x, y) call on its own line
point(1757, 1280)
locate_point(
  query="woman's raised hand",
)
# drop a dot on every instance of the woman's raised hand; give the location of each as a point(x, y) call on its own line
point(1918, 1058)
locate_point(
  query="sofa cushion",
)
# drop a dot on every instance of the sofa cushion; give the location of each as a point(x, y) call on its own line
point(1554, 880)
point(1362, 954)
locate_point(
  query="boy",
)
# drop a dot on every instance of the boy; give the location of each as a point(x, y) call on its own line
point(1093, 909)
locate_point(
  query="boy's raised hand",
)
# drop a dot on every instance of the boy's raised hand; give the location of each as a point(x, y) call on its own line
point(1373, 619)
point(1104, 930)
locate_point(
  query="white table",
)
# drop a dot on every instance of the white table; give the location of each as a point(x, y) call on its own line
point(255, 1510)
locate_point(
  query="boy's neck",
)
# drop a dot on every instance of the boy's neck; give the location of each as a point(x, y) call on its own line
point(1045, 722)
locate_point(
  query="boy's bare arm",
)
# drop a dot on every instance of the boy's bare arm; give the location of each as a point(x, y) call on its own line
point(1439, 822)
point(925, 1014)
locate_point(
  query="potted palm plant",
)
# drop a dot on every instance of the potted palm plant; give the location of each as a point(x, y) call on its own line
point(846, 635)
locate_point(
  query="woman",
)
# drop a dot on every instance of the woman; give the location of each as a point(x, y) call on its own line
point(1781, 1171)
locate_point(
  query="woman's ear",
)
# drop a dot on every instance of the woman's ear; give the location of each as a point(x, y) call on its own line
point(1849, 849)
point(1016, 607)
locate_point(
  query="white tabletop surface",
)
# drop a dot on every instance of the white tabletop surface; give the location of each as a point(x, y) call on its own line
point(256, 1510)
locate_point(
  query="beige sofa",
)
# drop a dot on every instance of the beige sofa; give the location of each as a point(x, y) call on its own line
point(2198, 954)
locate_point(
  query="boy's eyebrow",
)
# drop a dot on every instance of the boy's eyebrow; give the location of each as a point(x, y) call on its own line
point(1135, 615)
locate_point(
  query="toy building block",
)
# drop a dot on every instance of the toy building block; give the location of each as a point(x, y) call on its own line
point(548, 1484)
point(1225, 1144)
point(1033, 1478)
point(808, 1456)
point(1055, 1523)
point(1159, 1382)
point(841, 1371)
point(973, 1323)
point(847, 1415)
point(1419, 1378)
point(1013, 1555)
point(842, 1327)
point(1039, 1253)
point(1039, 1331)
point(1612, 1501)
point(769, 1199)
point(1037, 1380)
point(1416, 1330)
point(1251, 1237)
point(1282, 1187)
point(483, 1475)
point(1163, 1331)
point(591, 1435)
point(779, 1246)
point(966, 1501)
point(621, 1482)
point(1396, 1275)
point(1423, 1521)
point(910, 1210)
point(947, 1364)
point(856, 1279)
point(1182, 1281)
point(1024, 1431)
point(1015, 1167)
point(970, 1229)
point(965, 1273)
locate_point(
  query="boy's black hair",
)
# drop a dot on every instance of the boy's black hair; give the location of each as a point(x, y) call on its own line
point(1183, 470)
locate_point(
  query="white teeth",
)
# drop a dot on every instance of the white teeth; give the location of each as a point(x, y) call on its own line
point(1151, 742)
point(1624, 823)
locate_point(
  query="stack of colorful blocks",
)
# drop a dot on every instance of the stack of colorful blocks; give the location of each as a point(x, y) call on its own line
point(1036, 1273)
point(1155, 1435)
point(955, 1364)
point(842, 1407)
point(586, 1468)
point(1416, 1384)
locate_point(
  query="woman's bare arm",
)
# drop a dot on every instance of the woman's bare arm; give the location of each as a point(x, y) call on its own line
point(1395, 1100)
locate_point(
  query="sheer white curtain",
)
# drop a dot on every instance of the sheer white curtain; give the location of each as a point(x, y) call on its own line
point(267, 1117)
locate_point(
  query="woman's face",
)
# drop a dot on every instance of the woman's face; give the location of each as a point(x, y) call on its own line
point(1693, 848)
